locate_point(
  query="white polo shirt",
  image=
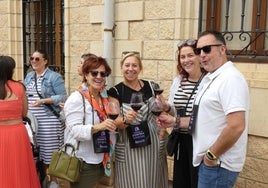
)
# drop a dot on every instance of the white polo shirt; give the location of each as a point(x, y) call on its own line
point(221, 92)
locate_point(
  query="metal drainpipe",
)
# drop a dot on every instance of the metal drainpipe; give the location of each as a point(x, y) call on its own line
point(109, 28)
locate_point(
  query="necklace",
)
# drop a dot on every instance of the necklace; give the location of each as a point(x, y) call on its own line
point(136, 85)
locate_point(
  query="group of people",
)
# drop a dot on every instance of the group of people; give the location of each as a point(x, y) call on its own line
point(209, 95)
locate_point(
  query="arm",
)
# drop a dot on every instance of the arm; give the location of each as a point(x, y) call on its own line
point(229, 135)
point(24, 103)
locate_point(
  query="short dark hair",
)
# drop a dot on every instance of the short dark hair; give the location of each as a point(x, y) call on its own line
point(44, 55)
point(93, 63)
point(218, 35)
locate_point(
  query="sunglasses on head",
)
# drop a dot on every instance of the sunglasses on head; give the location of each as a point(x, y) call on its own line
point(130, 52)
point(206, 49)
point(34, 58)
point(189, 42)
point(95, 73)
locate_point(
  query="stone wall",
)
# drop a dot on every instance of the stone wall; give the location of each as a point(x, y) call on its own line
point(153, 28)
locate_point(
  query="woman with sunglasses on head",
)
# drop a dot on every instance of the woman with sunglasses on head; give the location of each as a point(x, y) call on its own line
point(182, 93)
point(45, 90)
point(137, 166)
point(95, 134)
point(16, 159)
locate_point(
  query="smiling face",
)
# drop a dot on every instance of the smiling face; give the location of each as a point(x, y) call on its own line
point(97, 81)
point(216, 56)
point(38, 62)
point(188, 60)
point(131, 68)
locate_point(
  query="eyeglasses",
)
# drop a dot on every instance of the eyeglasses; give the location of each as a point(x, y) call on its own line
point(206, 49)
point(102, 73)
point(188, 42)
point(34, 58)
point(130, 52)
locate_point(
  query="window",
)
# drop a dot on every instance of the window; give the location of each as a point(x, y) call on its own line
point(243, 24)
point(43, 29)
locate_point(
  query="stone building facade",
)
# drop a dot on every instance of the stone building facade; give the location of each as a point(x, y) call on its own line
point(152, 27)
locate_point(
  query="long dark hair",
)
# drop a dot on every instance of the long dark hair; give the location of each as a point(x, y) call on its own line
point(7, 65)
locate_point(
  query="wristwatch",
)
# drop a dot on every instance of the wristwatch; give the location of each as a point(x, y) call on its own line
point(210, 155)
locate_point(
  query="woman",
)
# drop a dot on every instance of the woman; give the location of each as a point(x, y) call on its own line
point(96, 127)
point(16, 160)
point(45, 90)
point(144, 166)
point(182, 93)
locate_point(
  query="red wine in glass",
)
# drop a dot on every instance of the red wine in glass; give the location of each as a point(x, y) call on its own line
point(158, 91)
point(156, 113)
point(136, 106)
point(156, 106)
point(112, 116)
point(136, 101)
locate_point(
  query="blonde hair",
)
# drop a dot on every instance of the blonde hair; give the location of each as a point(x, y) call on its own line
point(125, 55)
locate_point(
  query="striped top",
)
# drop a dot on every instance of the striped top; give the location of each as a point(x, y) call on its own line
point(50, 130)
point(182, 95)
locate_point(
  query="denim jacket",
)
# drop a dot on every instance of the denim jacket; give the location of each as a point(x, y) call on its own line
point(52, 87)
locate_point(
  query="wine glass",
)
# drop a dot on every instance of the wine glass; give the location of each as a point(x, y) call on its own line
point(157, 89)
point(112, 110)
point(136, 103)
point(156, 106)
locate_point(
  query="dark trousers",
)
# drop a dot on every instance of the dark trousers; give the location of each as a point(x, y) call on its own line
point(89, 176)
point(184, 174)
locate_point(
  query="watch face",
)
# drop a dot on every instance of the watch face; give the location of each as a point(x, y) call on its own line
point(211, 155)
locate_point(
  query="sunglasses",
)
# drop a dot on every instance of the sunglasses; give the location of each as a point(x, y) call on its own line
point(34, 58)
point(130, 52)
point(189, 42)
point(102, 74)
point(206, 49)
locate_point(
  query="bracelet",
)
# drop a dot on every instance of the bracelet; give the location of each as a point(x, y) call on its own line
point(177, 122)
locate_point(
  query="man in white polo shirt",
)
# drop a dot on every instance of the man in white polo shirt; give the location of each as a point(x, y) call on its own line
point(220, 136)
point(219, 118)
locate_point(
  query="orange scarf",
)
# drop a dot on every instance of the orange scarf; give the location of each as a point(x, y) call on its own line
point(102, 115)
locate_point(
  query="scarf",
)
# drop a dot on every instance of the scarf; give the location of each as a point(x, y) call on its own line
point(102, 116)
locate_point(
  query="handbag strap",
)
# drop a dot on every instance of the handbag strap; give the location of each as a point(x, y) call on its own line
point(195, 87)
point(41, 97)
point(84, 117)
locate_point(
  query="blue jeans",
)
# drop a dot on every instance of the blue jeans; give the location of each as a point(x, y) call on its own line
point(215, 177)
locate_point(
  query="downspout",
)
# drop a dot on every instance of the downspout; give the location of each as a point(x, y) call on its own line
point(109, 28)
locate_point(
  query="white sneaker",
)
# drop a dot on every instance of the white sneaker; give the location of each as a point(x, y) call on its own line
point(53, 184)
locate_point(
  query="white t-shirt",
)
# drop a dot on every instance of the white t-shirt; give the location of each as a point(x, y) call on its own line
point(221, 92)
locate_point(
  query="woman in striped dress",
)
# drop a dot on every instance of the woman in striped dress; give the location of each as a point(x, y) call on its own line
point(45, 90)
point(182, 93)
point(145, 166)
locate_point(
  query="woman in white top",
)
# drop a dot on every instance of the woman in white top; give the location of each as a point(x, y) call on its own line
point(96, 126)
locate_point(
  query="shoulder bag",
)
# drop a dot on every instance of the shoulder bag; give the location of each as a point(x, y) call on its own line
point(64, 165)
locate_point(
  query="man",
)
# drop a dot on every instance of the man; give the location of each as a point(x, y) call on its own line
point(222, 103)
